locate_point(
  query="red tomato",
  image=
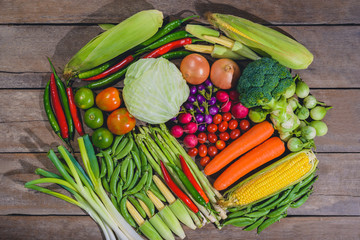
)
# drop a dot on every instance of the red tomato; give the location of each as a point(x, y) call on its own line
point(244, 125)
point(220, 144)
point(202, 137)
point(108, 99)
point(226, 116)
point(212, 137)
point(224, 136)
point(120, 121)
point(223, 126)
point(212, 128)
point(234, 134)
point(204, 161)
point(193, 152)
point(212, 151)
point(217, 119)
point(202, 150)
point(233, 124)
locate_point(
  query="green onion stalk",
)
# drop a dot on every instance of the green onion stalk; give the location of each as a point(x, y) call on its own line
point(87, 190)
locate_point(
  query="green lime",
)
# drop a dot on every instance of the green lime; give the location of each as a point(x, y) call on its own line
point(84, 98)
point(93, 118)
point(102, 138)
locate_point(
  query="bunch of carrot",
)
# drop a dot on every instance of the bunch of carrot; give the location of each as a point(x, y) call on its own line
point(253, 149)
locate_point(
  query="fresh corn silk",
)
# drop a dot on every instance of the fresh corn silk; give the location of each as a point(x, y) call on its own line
point(115, 41)
point(292, 169)
point(264, 40)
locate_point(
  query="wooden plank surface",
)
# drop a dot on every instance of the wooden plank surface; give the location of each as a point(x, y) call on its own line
point(335, 62)
point(92, 11)
point(337, 192)
point(25, 127)
point(83, 228)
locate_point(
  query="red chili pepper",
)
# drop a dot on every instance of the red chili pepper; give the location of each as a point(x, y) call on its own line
point(113, 69)
point(191, 178)
point(59, 111)
point(177, 190)
point(74, 112)
point(168, 47)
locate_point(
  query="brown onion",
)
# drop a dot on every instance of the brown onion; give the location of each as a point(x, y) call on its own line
point(195, 68)
point(224, 73)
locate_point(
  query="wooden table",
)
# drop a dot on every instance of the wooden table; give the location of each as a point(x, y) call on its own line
point(32, 30)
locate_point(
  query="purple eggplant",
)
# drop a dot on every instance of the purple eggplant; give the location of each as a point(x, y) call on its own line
point(192, 98)
point(213, 110)
point(200, 109)
point(212, 101)
point(202, 127)
point(200, 99)
point(208, 118)
point(189, 106)
point(193, 90)
point(199, 118)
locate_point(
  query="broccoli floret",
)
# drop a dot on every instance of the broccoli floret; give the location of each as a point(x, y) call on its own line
point(263, 80)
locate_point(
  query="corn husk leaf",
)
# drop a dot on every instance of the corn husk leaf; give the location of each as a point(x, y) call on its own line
point(262, 39)
point(115, 41)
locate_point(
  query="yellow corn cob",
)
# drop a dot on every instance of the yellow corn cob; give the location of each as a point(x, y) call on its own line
point(273, 179)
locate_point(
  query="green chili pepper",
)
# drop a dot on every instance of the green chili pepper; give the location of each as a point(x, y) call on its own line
point(109, 164)
point(135, 179)
point(137, 206)
point(114, 179)
point(255, 224)
point(194, 193)
point(129, 173)
point(154, 189)
point(126, 149)
point(239, 221)
point(105, 184)
point(301, 200)
point(267, 202)
point(257, 214)
point(96, 71)
point(103, 169)
point(124, 212)
point(142, 196)
point(268, 222)
point(49, 112)
point(136, 159)
point(278, 211)
point(121, 146)
point(175, 54)
point(119, 190)
point(116, 143)
point(125, 165)
point(107, 81)
point(139, 185)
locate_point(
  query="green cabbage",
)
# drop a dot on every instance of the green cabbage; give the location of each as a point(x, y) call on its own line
point(154, 90)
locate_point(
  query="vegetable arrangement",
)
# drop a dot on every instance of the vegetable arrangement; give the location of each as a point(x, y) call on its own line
point(239, 124)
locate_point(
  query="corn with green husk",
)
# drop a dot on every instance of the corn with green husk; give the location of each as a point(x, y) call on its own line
point(271, 180)
point(263, 40)
point(115, 41)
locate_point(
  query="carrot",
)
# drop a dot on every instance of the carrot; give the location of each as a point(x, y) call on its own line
point(255, 136)
point(267, 151)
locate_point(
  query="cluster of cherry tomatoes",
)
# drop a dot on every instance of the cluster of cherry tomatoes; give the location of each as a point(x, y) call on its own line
point(220, 133)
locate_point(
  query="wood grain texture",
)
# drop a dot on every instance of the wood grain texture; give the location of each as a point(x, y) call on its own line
point(25, 128)
point(83, 228)
point(337, 192)
point(92, 11)
point(335, 62)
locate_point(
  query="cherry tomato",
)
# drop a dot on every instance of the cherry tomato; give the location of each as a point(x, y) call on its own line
point(233, 124)
point(120, 121)
point(226, 116)
point(224, 136)
point(212, 128)
point(212, 137)
point(212, 151)
point(244, 125)
point(234, 134)
point(217, 119)
point(193, 152)
point(202, 137)
point(204, 161)
point(202, 150)
point(223, 126)
point(220, 144)
point(108, 99)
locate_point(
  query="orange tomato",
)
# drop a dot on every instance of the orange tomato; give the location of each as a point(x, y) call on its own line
point(120, 121)
point(108, 99)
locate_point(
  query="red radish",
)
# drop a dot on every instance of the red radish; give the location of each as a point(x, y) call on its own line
point(191, 127)
point(190, 141)
point(222, 96)
point(185, 118)
point(239, 111)
point(226, 106)
point(234, 95)
point(177, 131)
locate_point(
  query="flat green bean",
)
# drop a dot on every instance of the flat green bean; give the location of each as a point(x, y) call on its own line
point(121, 146)
point(125, 213)
point(137, 206)
point(125, 164)
point(109, 164)
point(114, 179)
point(136, 159)
point(255, 224)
